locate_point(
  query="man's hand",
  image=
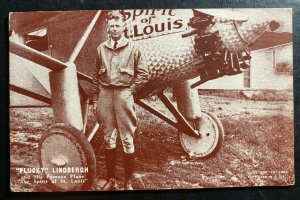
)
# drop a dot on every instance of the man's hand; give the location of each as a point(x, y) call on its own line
point(95, 107)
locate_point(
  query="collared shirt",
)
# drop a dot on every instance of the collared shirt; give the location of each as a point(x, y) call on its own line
point(111, 43)
point(123, 66)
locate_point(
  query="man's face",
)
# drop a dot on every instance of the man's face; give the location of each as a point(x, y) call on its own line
point(115, 28)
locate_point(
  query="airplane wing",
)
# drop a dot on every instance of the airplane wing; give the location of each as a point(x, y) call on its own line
point(25, 22)
point(29, 82)
point(223, 15)
point(271, 39)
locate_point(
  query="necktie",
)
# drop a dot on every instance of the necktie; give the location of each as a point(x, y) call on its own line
point(115, 45)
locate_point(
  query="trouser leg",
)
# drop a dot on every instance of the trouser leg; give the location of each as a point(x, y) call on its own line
point(125, 117)
point(106, 117)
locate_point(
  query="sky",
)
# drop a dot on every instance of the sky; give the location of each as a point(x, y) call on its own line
point(282, 15)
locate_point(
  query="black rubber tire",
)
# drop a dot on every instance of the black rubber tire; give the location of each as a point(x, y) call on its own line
point(217, 125)
point(60, 133)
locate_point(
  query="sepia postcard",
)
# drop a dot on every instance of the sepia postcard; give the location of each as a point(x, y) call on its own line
point(151, 99)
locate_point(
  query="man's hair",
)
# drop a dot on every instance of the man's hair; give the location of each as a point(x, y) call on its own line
point(115, 14)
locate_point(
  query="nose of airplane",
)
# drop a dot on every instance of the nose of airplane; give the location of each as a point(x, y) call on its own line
point(236, 35)
point(224, 44)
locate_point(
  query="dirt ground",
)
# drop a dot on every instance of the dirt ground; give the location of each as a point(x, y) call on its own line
point(258, 148)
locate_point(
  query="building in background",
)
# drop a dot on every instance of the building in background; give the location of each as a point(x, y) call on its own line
point(271, 66)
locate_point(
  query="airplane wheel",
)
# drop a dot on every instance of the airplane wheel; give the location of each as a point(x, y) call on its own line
point(212, 132)
point(67, 158)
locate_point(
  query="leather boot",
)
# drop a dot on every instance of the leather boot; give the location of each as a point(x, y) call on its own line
point(128, 170)
point(110, 162)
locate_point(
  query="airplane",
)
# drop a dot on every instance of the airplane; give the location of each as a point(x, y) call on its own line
point(52, 58)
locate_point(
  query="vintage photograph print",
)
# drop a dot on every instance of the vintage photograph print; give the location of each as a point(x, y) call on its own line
point(151, 99)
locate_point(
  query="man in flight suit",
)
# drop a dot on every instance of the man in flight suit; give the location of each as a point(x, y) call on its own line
point(120, 72)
